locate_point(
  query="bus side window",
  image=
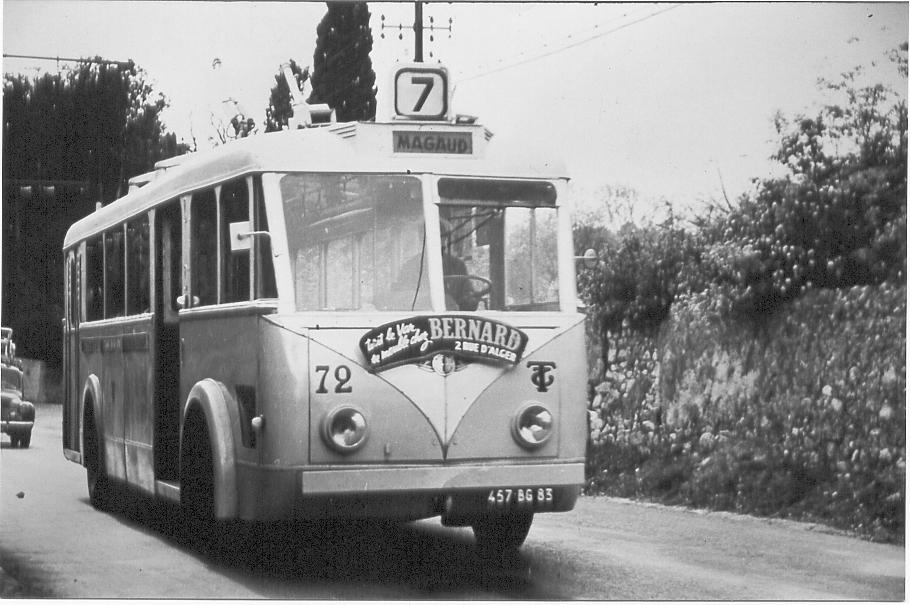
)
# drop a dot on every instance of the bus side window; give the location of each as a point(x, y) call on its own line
point(203, 248)
point(235, 208)
point(137, 266)
point(113, 271)
point(94, 279)
point(265, 270)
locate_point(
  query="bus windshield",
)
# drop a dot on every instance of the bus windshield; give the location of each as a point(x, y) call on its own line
point(356, 241)
point(499, 244)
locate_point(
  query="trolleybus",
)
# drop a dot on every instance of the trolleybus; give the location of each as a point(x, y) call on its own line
point(348, 320)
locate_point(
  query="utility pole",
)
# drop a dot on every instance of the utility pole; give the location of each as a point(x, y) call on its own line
point(418, 32)
point(418, 28)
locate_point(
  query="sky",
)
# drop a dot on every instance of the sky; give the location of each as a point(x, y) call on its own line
point(674, 101)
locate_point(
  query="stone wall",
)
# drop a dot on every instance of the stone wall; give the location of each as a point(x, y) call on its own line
point(801, 414)
point(845, 349)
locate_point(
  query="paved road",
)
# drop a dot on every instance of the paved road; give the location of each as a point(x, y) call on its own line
point(55, 545)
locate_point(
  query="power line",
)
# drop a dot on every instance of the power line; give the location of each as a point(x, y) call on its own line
point(568, 46)
point(545, 46)
point(69, 59)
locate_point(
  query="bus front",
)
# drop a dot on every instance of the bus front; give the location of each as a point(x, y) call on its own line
point(444, 356)
point(427, 358)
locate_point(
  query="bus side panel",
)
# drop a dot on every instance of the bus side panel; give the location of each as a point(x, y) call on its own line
point(72, 387)
point(267, 493)
point(572, 375)
point(222, 346)
point(101, 356)
point(139, 417)
point(114, 400)
point(284, 404)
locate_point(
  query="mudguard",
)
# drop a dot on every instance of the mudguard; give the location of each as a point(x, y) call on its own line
point(92, 389)
point(217, 405)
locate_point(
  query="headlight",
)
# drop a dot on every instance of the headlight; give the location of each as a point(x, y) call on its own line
point(345, 429)
point(533, 425)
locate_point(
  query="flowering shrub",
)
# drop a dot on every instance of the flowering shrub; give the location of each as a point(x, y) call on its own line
point(803, 417)
point(835, 217)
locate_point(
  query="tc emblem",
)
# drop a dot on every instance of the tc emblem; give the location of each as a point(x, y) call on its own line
point(540, 374)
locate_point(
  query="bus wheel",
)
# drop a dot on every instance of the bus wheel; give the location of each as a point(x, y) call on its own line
point(500, 536)
point(197, 486)
point(99, 485)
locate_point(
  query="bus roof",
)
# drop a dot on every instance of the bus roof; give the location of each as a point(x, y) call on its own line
point(358, 147)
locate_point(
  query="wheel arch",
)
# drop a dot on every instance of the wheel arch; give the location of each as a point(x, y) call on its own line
point(90, 402)
point(211, 400)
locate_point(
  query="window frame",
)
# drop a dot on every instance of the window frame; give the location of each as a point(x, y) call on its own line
point(93, 282)
point(260, 255)
point(143, 253)
point(226, 278)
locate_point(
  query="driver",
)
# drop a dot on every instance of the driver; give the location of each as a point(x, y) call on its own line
point(459, 290)
point(457, 284)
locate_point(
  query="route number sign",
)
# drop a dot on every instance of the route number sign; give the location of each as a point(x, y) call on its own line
point(421, 92)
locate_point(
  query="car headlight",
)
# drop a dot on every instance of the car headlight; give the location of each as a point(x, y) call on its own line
point(533, 426)
point(345, 429)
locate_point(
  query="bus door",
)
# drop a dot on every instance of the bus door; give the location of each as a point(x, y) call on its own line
point(73, 310)
point(168, 288)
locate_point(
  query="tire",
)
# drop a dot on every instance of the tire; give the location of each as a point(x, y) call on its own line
point(99, 484)
point(25, 440)
point(197, 483)
point(497, 537)
point(13, 440)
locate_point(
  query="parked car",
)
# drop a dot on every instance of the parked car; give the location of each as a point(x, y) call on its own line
point(17, 416)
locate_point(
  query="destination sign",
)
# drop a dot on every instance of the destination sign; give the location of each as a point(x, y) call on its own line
point(422, 141)
point(421, 92)
point(418, 338)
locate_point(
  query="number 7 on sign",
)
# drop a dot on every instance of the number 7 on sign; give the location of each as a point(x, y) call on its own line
point(427, 83)
point(421, 92)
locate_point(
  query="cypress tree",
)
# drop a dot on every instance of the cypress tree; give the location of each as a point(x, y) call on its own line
point(343, 74)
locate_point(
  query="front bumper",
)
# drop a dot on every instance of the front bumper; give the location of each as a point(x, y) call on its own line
point(438, 478)
point(16, 426)
point(457, 492)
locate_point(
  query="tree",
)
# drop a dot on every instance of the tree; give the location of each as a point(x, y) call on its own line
point(641, 264)
point(343, 76)
point(280, 110)
point(636, 280)
point(69, 140)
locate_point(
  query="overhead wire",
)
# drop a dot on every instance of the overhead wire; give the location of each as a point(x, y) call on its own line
point(567, 46)
point(544, 46)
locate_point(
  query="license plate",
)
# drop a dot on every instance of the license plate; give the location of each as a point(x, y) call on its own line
point(534, 498)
